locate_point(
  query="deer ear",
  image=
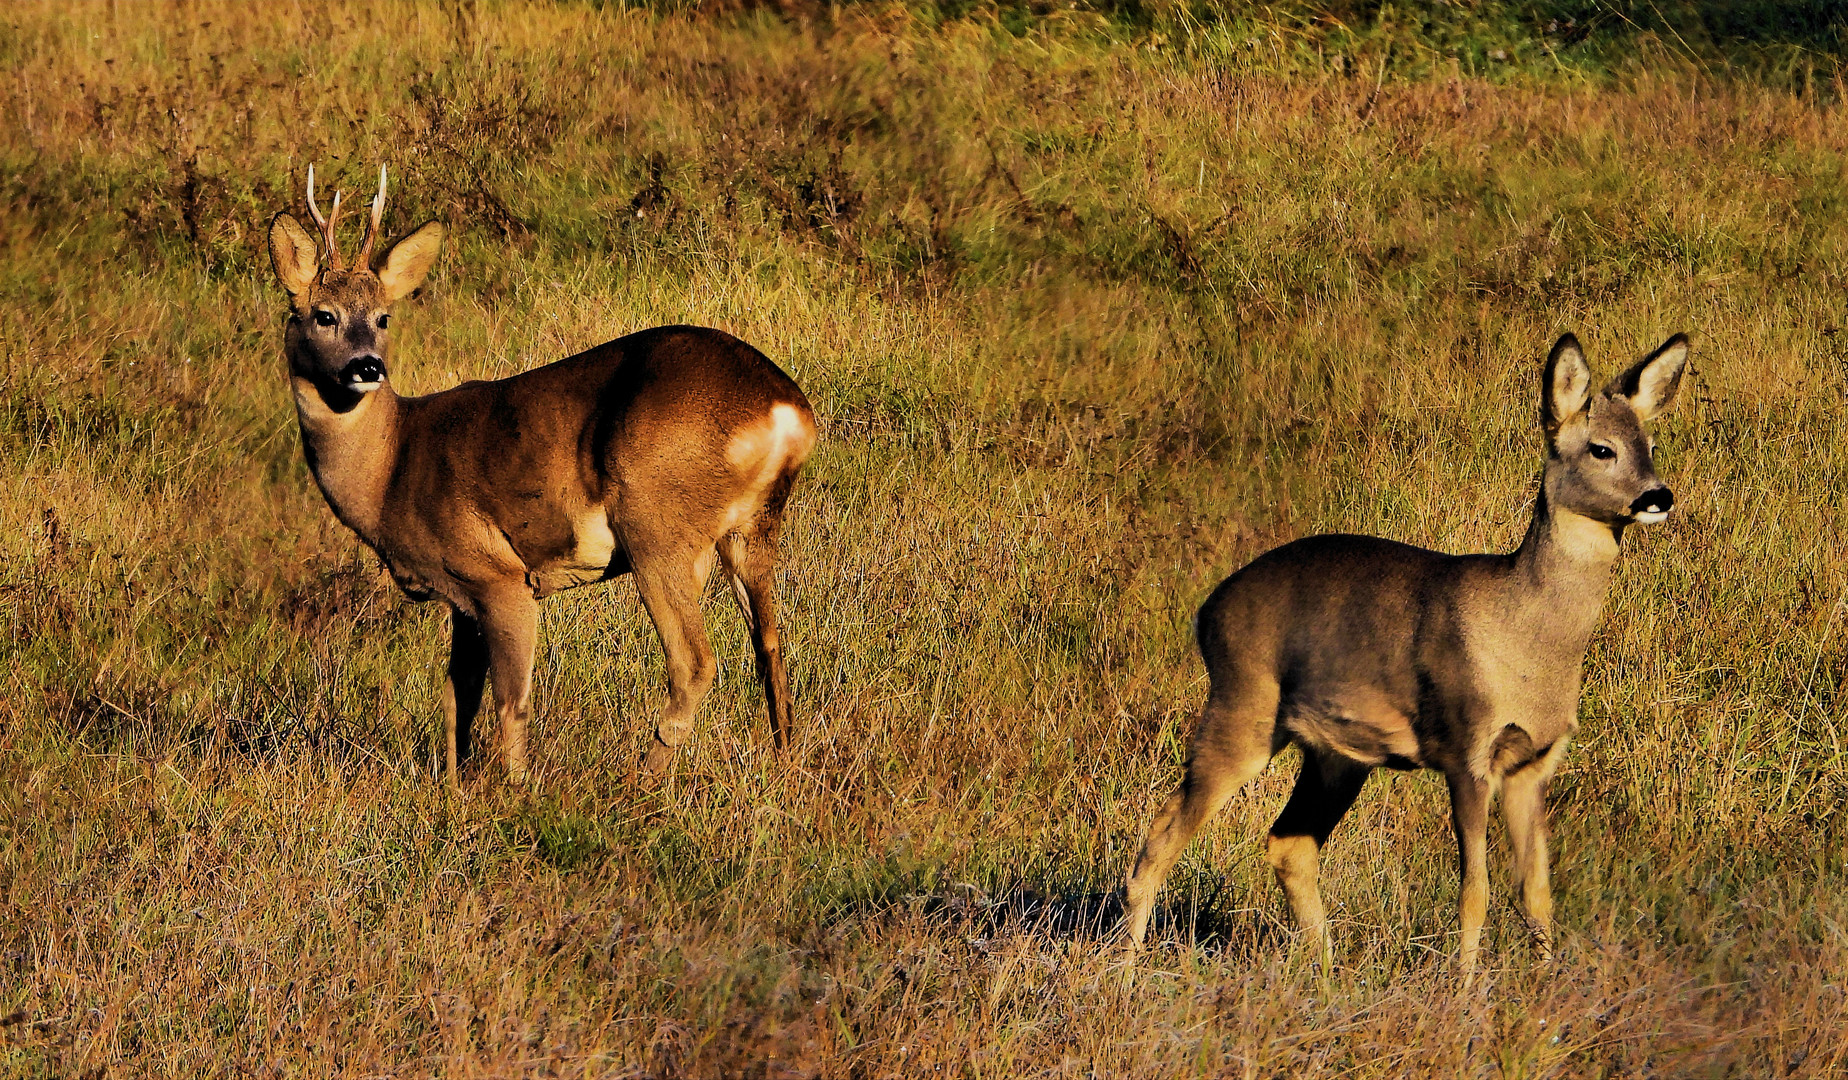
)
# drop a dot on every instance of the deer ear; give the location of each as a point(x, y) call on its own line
point(1565, 385)
point(1651, 385)
point(405, 265)
point(293, 253)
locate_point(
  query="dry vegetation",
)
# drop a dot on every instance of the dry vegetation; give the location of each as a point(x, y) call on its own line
point(1093, 309)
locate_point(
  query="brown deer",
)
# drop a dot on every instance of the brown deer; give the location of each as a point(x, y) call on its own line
point(649, 454)
point(1368, 653)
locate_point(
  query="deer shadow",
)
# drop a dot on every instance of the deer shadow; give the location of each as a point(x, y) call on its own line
point(1201, 918)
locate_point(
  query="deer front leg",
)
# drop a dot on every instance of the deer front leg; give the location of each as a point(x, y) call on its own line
point(1524, 810)
point(467, 677)
point(510, 626)
point(1469, 813)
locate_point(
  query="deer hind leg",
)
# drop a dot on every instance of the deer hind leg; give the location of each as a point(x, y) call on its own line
point(467, 677)
point(750, 561)
point(510, 627)
point(670, 589)
point(1524, 810)
point(1326, 787)
point(1232, 743)
point(1469, 814)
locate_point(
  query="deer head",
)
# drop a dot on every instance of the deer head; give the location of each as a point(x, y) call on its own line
point(336, 336)
point(1600, 458)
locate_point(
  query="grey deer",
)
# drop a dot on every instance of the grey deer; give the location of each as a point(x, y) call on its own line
point(649, 454)
point(1367, 653)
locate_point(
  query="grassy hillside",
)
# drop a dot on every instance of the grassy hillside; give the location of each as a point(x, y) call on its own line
point(1095, 303)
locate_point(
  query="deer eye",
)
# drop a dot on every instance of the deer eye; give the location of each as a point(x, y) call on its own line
point(1602, 452)
point(383, 319)
point(324, 318)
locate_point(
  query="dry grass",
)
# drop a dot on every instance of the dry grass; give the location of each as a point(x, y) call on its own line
point(1091, 315)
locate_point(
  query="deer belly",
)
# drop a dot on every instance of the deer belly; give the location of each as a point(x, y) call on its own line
point(590, 557)
point(415, 587)
point(1361, 728)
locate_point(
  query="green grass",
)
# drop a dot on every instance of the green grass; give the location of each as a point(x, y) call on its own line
point(1095, 303)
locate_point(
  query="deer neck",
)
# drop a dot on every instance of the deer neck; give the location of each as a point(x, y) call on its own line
point(1562, 572)
point(352, 447)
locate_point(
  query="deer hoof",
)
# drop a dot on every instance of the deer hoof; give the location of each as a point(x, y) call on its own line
point(658, 760)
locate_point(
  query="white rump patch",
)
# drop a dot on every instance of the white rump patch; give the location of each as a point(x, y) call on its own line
point(788, 424)
point(762, 451)
point(767, 446)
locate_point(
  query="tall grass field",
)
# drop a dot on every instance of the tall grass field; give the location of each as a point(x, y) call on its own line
point(1094, 302)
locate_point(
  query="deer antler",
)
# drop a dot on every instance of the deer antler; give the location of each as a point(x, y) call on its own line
point(372, 229)
point(326, 223)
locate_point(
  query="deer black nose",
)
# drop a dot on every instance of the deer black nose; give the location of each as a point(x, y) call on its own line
point(363, 370)
point(1654, 501)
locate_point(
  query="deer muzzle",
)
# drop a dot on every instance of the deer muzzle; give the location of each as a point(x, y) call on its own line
point(1652, 505)
point(363, 373)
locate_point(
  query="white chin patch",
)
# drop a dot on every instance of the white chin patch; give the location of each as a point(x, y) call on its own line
point(369, 387)
point(1651, 517)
